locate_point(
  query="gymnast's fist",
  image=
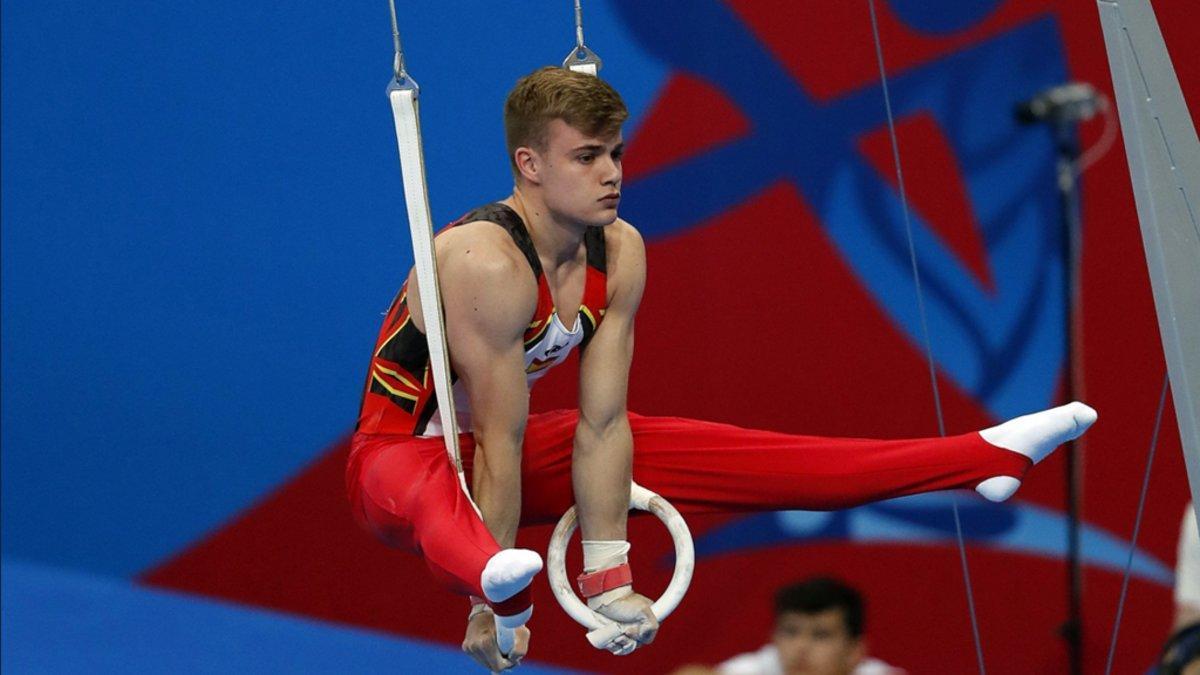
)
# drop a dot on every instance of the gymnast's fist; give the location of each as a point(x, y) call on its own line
point(635, 614)
point(480, 643)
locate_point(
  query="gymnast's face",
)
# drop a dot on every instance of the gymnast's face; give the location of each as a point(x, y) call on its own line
point(816, 644)
point(579, 176)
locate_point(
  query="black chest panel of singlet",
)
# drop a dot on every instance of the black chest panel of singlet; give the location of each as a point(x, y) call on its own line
point(504, 216)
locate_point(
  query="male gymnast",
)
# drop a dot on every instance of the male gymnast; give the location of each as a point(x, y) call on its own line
point(504, 270)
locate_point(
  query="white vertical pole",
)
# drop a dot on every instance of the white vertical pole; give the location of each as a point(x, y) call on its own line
point(1164, 164)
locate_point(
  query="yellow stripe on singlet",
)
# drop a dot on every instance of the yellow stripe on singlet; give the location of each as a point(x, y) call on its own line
point(393, 390)
point(588, 313)
point(534, 340)
point(398, 376)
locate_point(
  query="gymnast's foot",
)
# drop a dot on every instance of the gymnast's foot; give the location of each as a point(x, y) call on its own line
point(509, 572)
point(1034, 436)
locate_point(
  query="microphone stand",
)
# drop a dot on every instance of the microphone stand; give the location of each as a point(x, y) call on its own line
point(1067, 148)
point(1063, 107)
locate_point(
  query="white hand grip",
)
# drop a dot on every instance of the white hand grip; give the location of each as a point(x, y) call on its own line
point(603, 635)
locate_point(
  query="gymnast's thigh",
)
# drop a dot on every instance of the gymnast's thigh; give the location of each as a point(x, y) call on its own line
point(679, 458)
point(546, 491)
point(383, 476)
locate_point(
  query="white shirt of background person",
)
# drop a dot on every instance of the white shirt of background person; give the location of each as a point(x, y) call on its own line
point(1187, 572)
point(766, 662)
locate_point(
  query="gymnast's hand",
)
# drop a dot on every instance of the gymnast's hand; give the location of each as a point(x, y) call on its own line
point(635, 614)
point(480, 643)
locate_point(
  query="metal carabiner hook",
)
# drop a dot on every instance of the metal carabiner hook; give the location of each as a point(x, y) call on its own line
point(581, 59)
point(401, 79)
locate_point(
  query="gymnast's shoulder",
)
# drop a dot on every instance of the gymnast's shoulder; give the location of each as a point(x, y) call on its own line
point(625, 253)
point(621, 237)
point(481, 254)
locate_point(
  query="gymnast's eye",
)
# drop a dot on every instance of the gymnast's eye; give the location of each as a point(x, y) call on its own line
point(587, 158)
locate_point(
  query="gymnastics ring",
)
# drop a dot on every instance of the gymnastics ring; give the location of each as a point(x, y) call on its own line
point(602, 630)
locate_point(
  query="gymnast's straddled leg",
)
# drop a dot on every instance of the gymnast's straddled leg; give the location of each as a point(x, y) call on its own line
point(710, 467)
point(405, 492)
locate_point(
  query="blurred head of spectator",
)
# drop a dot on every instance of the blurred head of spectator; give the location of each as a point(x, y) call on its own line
point(818, 627)
point(818, 631)
point(1181, 655)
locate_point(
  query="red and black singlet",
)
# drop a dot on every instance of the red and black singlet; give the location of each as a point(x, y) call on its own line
point(399, 397)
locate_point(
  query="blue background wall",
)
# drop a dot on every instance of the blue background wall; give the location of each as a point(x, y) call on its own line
point(203, 222)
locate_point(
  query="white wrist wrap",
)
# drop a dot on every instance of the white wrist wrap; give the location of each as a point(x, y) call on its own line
point(598, 555)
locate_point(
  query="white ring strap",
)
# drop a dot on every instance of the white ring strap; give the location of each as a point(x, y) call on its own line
point(403, 96)
point(403, 93)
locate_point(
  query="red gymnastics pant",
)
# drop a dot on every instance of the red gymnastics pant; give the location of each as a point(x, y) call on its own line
point(403, 489)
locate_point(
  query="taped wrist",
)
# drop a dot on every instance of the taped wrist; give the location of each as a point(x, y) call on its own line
point(599, 554)
point(609, 580)
point(606, 574)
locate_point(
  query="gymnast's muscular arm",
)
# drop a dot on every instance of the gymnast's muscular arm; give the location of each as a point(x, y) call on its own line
point(602, 463)
point(601, 466)
point(489, 295)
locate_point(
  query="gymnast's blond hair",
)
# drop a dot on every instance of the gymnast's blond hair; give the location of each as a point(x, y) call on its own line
point(585, 102)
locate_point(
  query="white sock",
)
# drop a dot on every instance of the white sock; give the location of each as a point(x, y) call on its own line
point(508, 572)
point(1034, 436)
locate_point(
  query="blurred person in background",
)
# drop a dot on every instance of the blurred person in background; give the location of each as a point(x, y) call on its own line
point(1181, 655)
point(818, 631)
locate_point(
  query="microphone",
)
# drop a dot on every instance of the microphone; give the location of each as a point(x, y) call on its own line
point(1070, 102)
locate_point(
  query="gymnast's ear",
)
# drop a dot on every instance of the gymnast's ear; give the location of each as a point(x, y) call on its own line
point(528, 164)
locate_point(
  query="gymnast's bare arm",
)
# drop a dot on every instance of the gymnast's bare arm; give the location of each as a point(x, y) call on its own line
point(488, 296)
point(603, 457)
